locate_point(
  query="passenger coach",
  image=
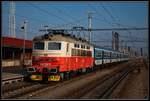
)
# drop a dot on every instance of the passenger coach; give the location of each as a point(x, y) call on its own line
point(105, 56)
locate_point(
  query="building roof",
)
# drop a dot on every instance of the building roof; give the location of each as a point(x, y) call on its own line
point(16, 42)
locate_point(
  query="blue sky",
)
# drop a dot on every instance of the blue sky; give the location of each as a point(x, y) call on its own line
point(58, 14)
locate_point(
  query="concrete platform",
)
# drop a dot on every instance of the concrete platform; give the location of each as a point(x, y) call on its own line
point(8, 76)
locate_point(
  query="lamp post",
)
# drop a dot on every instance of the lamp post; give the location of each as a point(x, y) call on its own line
point(24, 28)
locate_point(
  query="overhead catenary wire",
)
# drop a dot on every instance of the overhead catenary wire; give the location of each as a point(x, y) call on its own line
point(108, 13)
point(36, 20)
point(75, 20)
point(47, 12)
point(52, 14)
point(133, 38)
point(69, 23)
point(67, 15)
point(18, 29)
point(123, 41)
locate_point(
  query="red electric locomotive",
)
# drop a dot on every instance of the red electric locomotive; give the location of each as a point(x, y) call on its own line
point(58, 55)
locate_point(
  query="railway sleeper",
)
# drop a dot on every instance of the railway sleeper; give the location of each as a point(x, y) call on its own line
point(12, 81)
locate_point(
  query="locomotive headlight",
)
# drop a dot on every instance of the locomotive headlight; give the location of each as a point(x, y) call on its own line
point(36, 77)
point(33, 77)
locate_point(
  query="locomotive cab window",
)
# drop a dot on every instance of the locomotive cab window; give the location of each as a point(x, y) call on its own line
point(39, 45)
point(54, 46)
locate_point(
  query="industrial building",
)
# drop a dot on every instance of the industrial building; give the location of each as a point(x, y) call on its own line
point(12, 52)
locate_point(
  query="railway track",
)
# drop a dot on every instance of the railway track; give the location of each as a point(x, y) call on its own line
point(24, 89)
point(18, 89)
point(12, 80)
point(117, 79)
point(27, 88)
point(72, 86)
point(15, 86)
point(103, 88)
point(32, 91)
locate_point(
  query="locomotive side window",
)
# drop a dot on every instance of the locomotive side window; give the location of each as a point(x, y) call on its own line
point(87, 47)
point(73, 52)
point(78, 52)
point(54, 46)
point(83, 53)
point(39, 45)
point(89, 53)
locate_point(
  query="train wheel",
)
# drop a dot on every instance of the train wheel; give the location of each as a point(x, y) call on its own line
point(87, 70)
point(67, 75)
point(45, 77)
point(62, 77)
point(27, 78)
point(72, 74)
point(91, 69)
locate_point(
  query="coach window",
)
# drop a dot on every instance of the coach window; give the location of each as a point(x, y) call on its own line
point(98, 54)
point(39, 45)
point(113, 55)
point(106, 54)
point(54, 46)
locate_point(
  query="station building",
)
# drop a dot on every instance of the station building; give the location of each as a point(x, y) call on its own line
point(12, 52)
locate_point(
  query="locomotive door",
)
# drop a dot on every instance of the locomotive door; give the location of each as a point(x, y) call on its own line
point(67, 57)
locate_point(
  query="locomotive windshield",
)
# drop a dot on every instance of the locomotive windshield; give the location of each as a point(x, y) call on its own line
point(54, 46)
point(39, 45)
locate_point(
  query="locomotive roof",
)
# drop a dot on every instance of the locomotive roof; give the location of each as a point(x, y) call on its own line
point(60, 36)
point(100, 48)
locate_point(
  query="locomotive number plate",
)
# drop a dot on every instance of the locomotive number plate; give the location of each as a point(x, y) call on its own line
point(54, 78)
